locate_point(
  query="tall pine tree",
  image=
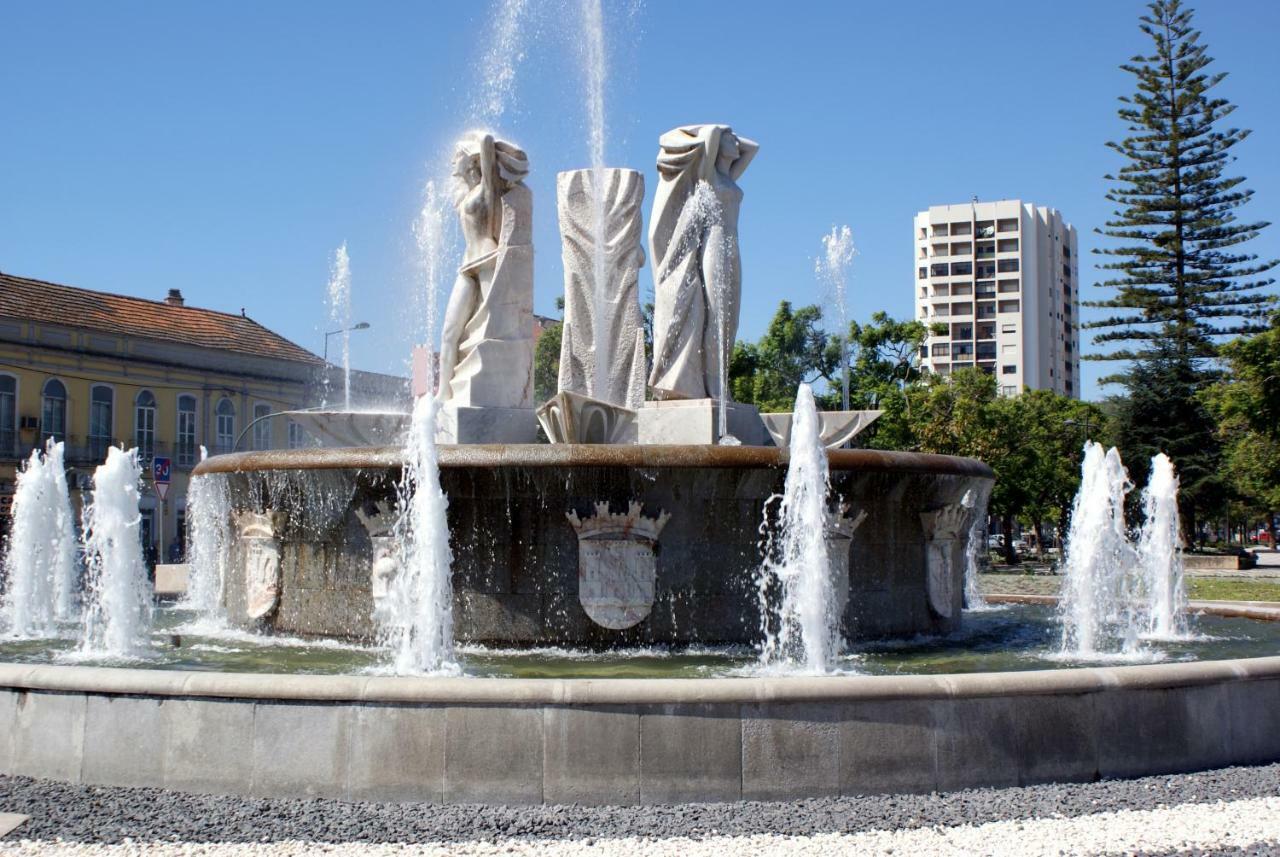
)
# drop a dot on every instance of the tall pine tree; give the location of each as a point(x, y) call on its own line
point(1181, 278)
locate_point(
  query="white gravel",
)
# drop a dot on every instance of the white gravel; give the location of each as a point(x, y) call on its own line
point(1242, 826)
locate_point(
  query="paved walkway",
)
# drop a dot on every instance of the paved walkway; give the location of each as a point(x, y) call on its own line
point(1235, 810)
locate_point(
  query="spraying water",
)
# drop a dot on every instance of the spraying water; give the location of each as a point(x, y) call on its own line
point(210, 537)
point(416, 618)
point(340, 313)
point(40, 563)
point(501, 61)
point(832, 269)
point(118, 604)
point(1160, 553)
point(802, 631)
point(1097, 608)
point(976, 545)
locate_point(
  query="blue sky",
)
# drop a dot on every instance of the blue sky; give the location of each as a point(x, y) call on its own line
point(226, 149)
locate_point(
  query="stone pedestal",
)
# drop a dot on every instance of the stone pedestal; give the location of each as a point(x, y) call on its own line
point(697, 421)
point(459, 424)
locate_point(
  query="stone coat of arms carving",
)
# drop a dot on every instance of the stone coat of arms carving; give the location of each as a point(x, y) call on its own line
point(380, 525)
point(945, 531)
point(261, 552)
point(617, 564)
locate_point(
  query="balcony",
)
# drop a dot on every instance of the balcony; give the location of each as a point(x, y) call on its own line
point(986, 353)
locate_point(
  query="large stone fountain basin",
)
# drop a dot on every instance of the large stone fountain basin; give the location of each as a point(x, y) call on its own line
point(520, 577)
point(630, 741)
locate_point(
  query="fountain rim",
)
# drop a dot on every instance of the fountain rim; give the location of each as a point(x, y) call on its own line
point(539, 455)
point(128, 681)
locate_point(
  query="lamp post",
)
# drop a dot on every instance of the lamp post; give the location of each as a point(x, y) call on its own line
point(364, 325)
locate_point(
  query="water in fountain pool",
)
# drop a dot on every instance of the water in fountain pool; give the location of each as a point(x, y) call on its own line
point(797, 593)
point(1018, 637)
point(117, 613)
point(39, 565)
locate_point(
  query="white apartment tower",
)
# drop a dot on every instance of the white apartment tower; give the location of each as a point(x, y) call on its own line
point(1004, 279)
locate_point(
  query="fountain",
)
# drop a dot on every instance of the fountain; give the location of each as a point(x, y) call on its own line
point(40, 563)
point(117, 615)
point(833, 270)
point(469, 616)
point(209, 540)
point(797, 592)
point(1160, 553)
point(339, 299)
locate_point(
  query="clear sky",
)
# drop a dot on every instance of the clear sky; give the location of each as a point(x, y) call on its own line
point(227, 149)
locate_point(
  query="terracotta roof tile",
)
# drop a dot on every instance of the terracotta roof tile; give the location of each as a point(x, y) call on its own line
point(52, 303)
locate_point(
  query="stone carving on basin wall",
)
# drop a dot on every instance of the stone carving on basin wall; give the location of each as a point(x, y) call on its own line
point(843, 525)
point(379, 522)
point(260, 547)
point(945, 532)
point(697, 272)
point(617, 564)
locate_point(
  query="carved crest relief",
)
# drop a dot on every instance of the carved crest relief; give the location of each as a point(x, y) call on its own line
point(380, 525)
point(840, 532)
point(617, 564)
point(261, 551)
point(944, 532)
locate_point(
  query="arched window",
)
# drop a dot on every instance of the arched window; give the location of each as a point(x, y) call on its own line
point(262, 426)
point(53, 411)
point(101, 420)
point(144, 425)
point(186, 451)
point(225, 435)
point(8, 416)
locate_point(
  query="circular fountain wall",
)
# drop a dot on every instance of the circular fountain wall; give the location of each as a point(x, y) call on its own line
point(593, 545)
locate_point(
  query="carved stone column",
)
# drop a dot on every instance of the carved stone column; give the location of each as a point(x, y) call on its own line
point(945, 532)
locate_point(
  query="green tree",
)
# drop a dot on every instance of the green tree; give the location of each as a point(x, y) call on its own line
point(884, 357)
point(546, 360)
point(792, 351)
point(1246, 406)
point(1180, 277)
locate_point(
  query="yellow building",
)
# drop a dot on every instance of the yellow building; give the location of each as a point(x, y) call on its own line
point(96, 370)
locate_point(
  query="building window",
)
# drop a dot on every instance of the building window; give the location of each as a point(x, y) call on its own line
point(960, 229)
point(1009, 391)
point(261, 426)
point(8, 416)
point(939, 229)
point(986, 229)
point(1008, 306)
point(1006, 369)
point(1007, 224)
point(1006, 266)
point(144, 425)
point(53, 411)
point(961, 268)
point(1009, 327)
point(939, 270)
point(1008, 245)
point(924, 272)
point(298, 437)
point(101, 405)
point(1009, 286)
point(186, 438)
point(225, 430)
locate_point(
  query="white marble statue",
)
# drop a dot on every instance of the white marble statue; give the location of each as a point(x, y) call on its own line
point(693, 238)
point(613, 305)
point(486, 352)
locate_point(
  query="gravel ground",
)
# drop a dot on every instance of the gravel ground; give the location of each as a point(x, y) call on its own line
point(1212, 812)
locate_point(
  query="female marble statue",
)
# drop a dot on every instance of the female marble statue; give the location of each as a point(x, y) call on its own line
point(488, 322)
point(693, 238)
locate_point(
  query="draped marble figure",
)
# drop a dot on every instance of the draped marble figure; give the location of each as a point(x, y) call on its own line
point(693, 238)
point(486, 351)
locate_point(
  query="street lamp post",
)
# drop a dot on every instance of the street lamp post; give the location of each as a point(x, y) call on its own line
point(364, 325)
